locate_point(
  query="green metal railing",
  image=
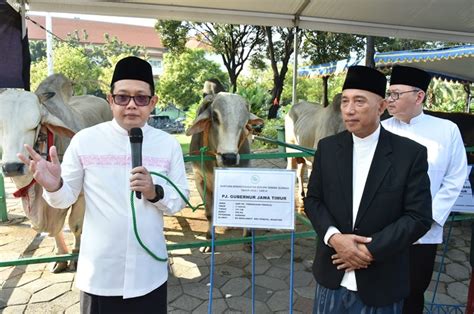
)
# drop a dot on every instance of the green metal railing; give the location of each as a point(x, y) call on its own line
point(176, 246)
point(3, 201)
point(197, 244)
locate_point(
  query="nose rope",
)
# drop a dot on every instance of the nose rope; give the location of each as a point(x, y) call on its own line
point(22, 192)
point(205, 140)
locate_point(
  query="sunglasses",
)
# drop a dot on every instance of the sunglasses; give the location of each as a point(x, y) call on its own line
point(124, 100)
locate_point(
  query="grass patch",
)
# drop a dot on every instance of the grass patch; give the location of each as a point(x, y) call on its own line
point(183, 141)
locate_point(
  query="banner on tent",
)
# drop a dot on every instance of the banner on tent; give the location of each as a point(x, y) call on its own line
point(254, 198)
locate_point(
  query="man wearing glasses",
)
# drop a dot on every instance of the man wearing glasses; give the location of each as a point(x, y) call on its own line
point(447, 168)
point(115, 274)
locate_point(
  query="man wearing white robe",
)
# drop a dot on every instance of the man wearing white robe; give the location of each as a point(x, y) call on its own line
point(447, 168)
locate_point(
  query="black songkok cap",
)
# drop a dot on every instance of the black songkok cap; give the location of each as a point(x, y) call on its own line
point(133, 68)
point(410, 76)
point(365, 78)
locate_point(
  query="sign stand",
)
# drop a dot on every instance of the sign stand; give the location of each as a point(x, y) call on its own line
point(253, 270)
point(253, 198)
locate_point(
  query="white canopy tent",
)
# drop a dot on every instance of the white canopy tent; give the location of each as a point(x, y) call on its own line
point(431, 20)
point(443, 20)
point(453, 63)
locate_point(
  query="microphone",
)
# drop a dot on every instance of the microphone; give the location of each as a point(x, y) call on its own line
point(136, 140)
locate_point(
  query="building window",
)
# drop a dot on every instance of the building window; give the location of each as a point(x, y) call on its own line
point(155, 63)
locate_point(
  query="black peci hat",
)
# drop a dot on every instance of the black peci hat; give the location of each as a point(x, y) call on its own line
point(133, 68)
point(410, 76)
point(365, 78)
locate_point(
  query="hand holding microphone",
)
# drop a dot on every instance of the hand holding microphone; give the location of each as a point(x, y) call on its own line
point(141, 180)
point(136, 140)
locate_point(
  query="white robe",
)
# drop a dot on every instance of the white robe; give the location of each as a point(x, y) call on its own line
point(447, 164)
point(111, 261)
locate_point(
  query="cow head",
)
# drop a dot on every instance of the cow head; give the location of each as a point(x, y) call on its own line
point(223, 121)
point(21, 117)
point(59, 84)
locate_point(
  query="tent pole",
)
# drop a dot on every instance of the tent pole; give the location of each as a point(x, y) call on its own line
point(49, 43)
point(23, 18)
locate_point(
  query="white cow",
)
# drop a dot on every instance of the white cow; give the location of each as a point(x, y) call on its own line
point(26, 118)
point(222, 125)
point(305, 124)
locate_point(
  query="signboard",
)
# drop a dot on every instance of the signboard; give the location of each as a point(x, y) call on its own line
point(254, 198)
point(465, 201)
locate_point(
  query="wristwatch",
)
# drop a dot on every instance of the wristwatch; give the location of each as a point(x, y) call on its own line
point(159, 193)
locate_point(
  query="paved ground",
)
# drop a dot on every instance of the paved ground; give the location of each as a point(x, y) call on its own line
point(33, 289)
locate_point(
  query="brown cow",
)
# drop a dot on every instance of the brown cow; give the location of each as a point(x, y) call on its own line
point(222, 125)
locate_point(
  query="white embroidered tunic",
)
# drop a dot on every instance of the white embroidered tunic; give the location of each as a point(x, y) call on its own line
point(98, 160)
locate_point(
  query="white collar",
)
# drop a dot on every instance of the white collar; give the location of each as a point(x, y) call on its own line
point(414, 120)
point(123, 131)
point(374, 137)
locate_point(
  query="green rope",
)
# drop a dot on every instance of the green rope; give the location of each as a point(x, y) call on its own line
point(135, 229)
point(194, 208)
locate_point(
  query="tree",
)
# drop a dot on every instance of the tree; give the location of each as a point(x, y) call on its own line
point(74, 63)
point(444, 96)
point(173, 34)
point(279, 53)
point(370, 52)
point(37, 50)
point(323, 47)
point(235, 43)
point(89, 65)
point(386, 44)
point(184, 76)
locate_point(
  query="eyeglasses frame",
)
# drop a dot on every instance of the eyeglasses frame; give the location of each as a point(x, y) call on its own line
point(130, 97)
point(390, 94)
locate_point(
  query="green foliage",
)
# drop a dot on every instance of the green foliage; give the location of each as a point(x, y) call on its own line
point(256, 95)
point(444, 96)
point(235, 43)
point(173, 34)
point(191, 114)
point(257, 62)
point(322, 47)
point(386, 44)
point(270, 130)
point(101, 54)
point(37, 50)
point(88, 65)
point(74, 64)
point(38, 72)
point(184, 76)
point(104, 57)
point(310, 89)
